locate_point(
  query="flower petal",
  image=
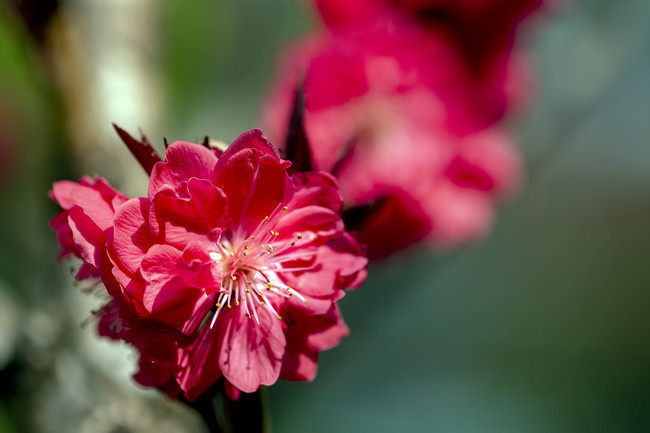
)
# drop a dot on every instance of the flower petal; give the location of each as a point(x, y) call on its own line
point(132, 236)
point(183, 161)
point(198, 364)
point(254, 179)
point(250, 355)
point(180, 220)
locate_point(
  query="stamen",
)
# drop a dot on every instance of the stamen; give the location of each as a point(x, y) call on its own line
point(252, 264)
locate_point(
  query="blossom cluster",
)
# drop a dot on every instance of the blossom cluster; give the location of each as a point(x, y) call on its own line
point(402, 104)
point(229, 267)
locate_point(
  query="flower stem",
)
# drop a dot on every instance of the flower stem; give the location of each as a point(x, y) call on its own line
point(222, 415)
point(205, 406)
point(247, 414)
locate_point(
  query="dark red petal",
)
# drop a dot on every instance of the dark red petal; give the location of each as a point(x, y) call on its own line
point(142, 150)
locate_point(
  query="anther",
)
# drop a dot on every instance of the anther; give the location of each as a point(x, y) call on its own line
point(299, 236)
point(218, 304)
point(234, 277)
point(262, 304)
point(284, 209)
point(229, 306)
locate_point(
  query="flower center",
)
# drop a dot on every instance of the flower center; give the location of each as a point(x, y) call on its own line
point(252, 265)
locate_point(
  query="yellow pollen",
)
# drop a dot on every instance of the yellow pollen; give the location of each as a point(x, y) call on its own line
point(244, 253)
point(284, 209)
point(280, 317)
point(262, 303)
point(248, 290)
point(266, 218)
point(234, 277)
point(299, 236)
point(252, 237)
point(237, 303)
point(218, 305)
point(268, 286)
point(249, 282)
point(245, 247)
point(229, 306)
point(276, 234)
point(262, 247)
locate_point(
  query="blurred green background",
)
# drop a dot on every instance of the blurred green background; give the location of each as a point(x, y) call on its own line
point(542, 327)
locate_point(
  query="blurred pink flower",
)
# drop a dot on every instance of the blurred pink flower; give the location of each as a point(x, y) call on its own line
point(391, 111)
point(480, 32)
point(228, 267)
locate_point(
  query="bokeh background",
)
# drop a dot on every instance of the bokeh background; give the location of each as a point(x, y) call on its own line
point(542, 327)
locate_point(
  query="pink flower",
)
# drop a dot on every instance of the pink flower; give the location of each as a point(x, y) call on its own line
point(385, 118)
point(228, 267)
point(480, 32)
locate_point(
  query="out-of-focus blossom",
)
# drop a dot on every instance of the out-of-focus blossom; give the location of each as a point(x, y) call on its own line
point(229, 267)
point(481, 32)
point(384, 109)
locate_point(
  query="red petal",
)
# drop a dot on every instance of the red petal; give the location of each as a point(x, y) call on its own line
point(199, 365)
point(183, 161)
point(250, 355)
point(180, 219)
point(255, 182)
point(132, 236)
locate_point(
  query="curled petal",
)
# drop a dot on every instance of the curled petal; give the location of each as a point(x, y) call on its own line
point(183, 161)
point(132, 235)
